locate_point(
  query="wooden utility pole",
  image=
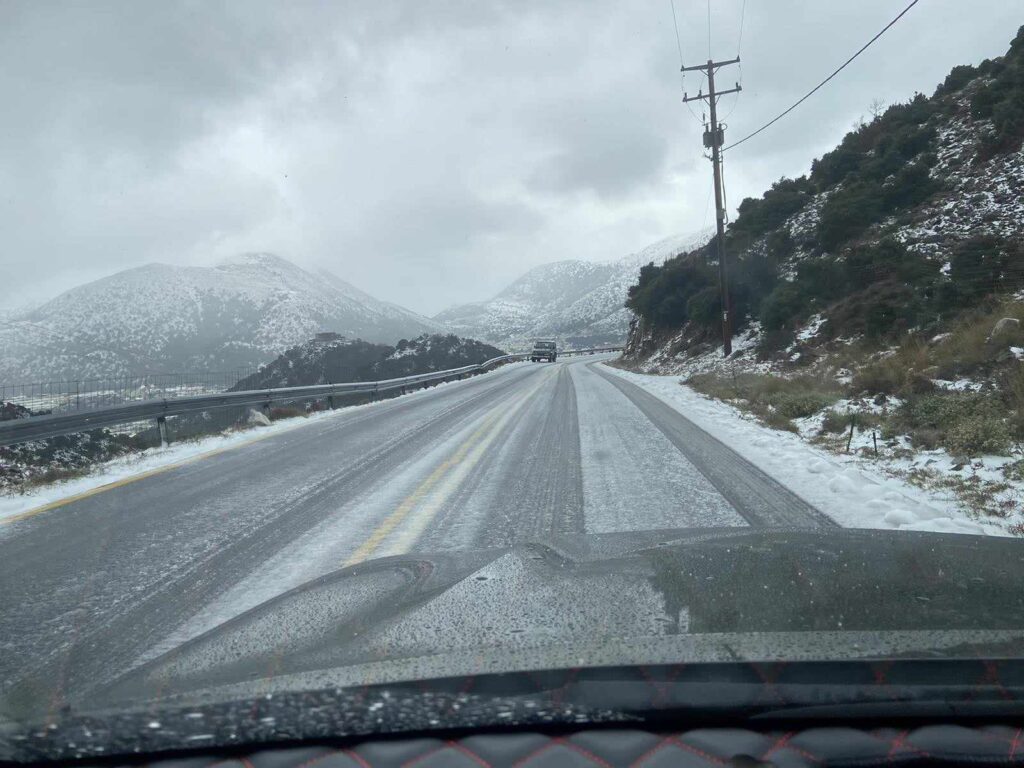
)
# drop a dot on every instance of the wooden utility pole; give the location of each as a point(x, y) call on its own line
point(714, 137)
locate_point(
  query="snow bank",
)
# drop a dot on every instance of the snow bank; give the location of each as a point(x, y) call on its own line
point(843, 487)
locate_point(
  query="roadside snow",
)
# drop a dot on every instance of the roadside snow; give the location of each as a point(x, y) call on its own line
point(843, 487)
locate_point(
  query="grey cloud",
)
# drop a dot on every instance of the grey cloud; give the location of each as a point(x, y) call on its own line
point(605, 147)
point(426, 151)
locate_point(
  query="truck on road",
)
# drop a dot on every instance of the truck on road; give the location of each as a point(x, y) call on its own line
point(543, 349)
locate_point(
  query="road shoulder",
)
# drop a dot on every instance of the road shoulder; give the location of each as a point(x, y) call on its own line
point(846, 492)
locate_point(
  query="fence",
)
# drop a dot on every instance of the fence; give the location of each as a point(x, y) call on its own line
point(85, 394)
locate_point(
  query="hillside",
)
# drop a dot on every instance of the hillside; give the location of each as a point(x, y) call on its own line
point(915, 218)
point(242, 312)
point(581, 303)
point(332, 358)
point(879, 300)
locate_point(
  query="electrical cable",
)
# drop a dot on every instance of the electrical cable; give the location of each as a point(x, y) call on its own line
point(709, 29)
point(816, 88)
point(679, 46)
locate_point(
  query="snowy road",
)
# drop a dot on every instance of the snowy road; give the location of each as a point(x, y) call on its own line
point(95, 586)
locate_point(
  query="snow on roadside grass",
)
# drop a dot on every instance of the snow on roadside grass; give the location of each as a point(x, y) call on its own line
point(137, 465)
point(845, 488)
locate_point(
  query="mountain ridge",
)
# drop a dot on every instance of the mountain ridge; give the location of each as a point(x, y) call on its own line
point(579, 302)
point(157, 317)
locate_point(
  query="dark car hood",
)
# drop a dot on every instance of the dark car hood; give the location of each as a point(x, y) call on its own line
point(614, 599)
point(609, 628)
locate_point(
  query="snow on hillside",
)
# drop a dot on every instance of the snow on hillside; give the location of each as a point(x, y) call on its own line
point(332, 358)
point(240, 312)
point(578, 302)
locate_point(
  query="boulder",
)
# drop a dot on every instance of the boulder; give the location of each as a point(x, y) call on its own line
point(1005, 325)
point(258, 418)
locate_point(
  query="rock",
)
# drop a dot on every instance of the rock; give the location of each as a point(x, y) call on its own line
point(13, 411)
point(1005, 325)
point(258, 418)
point(880, 399)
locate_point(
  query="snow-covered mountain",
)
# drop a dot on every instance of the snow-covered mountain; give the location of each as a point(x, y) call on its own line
point(578, 302)
point(244, 311)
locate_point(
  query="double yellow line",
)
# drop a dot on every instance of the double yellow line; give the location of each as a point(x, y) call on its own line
point(427, 498)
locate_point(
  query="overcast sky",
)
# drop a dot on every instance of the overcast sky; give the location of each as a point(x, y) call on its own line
point(428, 152)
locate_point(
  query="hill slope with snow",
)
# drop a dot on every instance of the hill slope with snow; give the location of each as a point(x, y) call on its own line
point(242, 312)
point(332, 358)
point(578, 302)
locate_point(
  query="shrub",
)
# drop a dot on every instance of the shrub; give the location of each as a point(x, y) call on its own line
point(978, 433)
point(781, 305)
point(957, 78)
point(705, 306)
point(965, 423)
point(848, 212)
point(983, 265)
point(882, 310)
point(1002, 100)
point(835, 423)
point(910, 186)
point(786, 197)
point(798, 405)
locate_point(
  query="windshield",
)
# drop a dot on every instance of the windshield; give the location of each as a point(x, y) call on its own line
point(384, 344)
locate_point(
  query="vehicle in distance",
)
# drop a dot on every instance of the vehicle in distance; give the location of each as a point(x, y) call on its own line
point(543, 349)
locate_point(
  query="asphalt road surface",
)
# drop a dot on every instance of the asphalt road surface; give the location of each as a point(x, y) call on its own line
point(96, 586)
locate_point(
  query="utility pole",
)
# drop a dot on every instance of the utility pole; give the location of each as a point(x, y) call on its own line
point(713, 140)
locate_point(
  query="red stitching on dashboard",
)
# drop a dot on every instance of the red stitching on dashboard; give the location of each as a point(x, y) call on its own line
point(568, 745)
point(469, 753)
point(358, 758)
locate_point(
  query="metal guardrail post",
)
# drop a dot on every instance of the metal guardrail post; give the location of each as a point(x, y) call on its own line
point(161, 425)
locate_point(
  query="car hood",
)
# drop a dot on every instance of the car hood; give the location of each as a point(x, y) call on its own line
point(600, 628)
point(652, 597)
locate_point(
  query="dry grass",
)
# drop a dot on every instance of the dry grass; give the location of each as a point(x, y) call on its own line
point(968, 348)
point(773, 399)
point(285, 412)
point(48, 477)
point(896, 373)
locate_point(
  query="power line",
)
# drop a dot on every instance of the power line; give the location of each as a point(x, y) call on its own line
point(739, 42)
point(682, 76)
point(823, 82)
point(709, 29)
point(675, 23)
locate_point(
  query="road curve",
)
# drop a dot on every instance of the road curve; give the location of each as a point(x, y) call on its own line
point(96, 586)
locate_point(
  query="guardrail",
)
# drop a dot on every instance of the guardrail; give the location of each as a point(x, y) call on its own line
point(15, 431)
point(595, 351)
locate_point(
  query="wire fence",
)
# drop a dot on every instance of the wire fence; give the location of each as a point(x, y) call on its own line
point(84, 394)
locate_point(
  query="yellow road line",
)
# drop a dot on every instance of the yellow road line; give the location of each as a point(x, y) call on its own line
point(409, 503)
point(479, 439)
